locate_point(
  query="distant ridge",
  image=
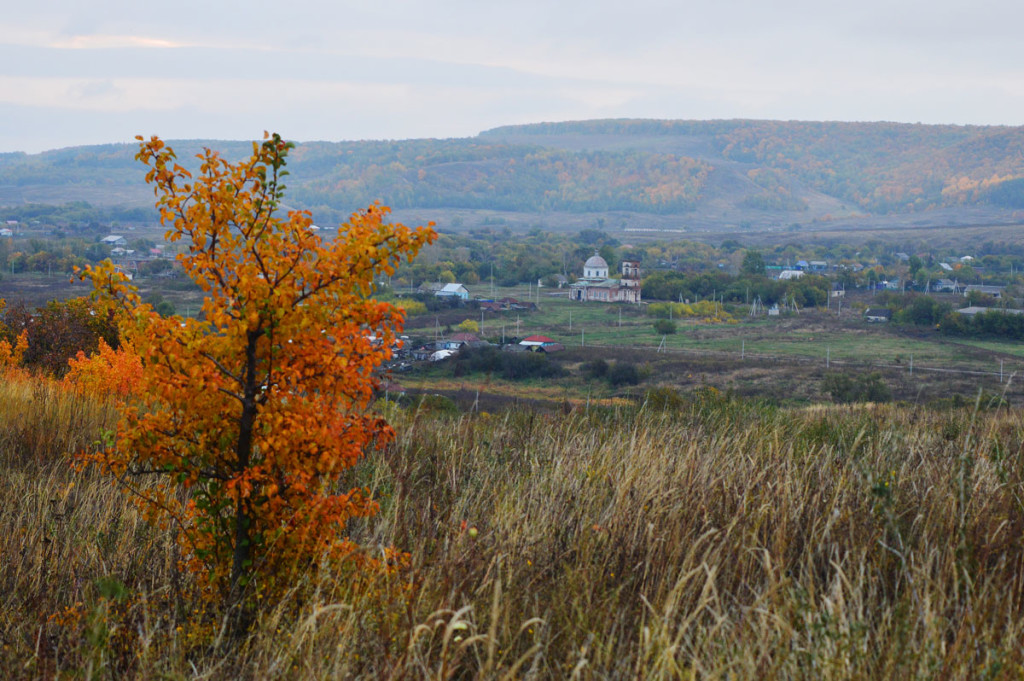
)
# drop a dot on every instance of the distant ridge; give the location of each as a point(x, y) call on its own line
point(727, 170)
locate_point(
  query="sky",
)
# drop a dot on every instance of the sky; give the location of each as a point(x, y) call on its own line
point(78, 72)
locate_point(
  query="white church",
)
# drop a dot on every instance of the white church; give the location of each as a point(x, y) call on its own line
point(596, 286)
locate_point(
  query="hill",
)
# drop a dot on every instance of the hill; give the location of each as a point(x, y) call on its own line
point(714, 173)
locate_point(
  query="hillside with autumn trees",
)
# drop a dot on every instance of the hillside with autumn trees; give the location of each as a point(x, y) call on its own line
point(730, 172)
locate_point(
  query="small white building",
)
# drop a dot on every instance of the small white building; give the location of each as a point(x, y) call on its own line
point(453, 291)
point(114, 240)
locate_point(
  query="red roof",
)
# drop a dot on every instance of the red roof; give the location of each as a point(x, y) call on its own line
point(537, 339)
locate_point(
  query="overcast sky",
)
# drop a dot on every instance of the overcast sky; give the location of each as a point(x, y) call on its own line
point(92, 71)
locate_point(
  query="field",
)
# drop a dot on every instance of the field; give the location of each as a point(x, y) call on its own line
point(783, 358)
point(692, 537)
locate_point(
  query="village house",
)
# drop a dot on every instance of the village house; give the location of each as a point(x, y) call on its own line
point(114, 240)
point(453, 291)
point(994, 291)
point(595, 285)
point(878, 314)
point(946, 286)
point(541, 344)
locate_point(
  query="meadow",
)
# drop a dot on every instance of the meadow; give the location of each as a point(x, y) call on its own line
point(781, 358)
point(685, 535)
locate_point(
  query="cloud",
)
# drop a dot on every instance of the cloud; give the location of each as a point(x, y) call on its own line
point(405, 68)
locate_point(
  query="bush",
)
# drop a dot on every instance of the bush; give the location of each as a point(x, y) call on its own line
point(513, 366)
point(433, 404)
point(664, 398)
point(623, 373)
point(845, 389)
point(595, 368)
point(664, 326)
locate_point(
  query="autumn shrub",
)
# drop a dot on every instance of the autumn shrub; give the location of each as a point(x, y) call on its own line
point(663, 398)
point(253, 413)
point(107, 372)
point(60, 330)
point(410, 306)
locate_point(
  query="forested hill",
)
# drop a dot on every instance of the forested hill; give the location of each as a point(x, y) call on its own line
point(879, 167)
point(784, 171)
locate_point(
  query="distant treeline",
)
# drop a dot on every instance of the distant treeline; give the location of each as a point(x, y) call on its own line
point(660, 167)
point(879, 167)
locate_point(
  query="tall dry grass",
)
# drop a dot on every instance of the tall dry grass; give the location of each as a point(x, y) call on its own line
point(708, 539)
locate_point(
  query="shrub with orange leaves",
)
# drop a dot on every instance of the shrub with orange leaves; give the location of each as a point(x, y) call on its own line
point(12, 348)
point(254, 412)
point(107, 372)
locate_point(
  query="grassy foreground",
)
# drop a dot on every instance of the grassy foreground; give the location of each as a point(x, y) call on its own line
point(691, 538)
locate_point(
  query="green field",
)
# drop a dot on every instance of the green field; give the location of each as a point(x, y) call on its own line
point(812, 334)
point(782, 358)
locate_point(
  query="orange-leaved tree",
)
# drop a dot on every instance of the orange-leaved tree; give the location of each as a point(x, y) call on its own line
point(251, 415)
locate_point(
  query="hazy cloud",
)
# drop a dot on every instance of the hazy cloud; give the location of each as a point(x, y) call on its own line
point(399, 68)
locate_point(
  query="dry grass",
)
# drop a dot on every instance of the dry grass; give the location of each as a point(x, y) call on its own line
point(717, 539)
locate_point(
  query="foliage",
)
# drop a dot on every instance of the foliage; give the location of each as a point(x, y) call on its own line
point(881, 167)
point(623, 373)
point(845, 388)
point(60, 330)
point(753, 263)
point(704, 310)
point(410, 306)
point(107, 372)
point(664, 326)
point(259, 408)
point(469, 326)
point(923, 311)
point(610, 165)
point(12, 348)
point(663, 398)
point(595, 368)
point(512, 366)
point(993, 323)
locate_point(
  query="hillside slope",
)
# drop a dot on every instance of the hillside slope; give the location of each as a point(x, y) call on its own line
point(758, 172)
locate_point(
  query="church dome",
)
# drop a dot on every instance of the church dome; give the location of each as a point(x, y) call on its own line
point(595, 267)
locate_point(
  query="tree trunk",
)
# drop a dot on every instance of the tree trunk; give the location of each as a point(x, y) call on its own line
point(241, 560)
